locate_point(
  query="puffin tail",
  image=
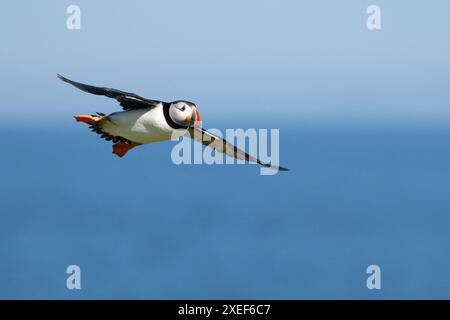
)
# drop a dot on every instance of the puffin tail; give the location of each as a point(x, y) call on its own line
point(121, 145)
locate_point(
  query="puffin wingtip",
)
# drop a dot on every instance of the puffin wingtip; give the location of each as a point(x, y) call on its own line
point(62, 77)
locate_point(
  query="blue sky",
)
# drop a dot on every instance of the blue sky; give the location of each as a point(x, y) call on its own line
point(282, 61)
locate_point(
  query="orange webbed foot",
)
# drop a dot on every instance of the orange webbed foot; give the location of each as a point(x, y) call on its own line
point(87, 119)
point(121, 148)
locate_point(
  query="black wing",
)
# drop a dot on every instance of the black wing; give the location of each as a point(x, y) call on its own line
point(221, 145)
point(126, 99)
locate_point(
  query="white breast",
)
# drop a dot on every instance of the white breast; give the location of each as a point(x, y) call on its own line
point(141, 125)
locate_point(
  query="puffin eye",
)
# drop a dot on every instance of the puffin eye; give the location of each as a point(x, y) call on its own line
point(183, 108)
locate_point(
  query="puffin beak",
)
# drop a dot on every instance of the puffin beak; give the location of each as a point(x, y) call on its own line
point(194, 118)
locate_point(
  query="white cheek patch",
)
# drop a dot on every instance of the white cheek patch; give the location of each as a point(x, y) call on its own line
point(177, 115)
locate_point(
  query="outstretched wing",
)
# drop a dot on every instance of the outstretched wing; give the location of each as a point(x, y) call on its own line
point(126, 99)
point(221, 145)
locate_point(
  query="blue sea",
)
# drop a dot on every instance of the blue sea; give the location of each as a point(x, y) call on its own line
point(141, 227)
point(364, 126)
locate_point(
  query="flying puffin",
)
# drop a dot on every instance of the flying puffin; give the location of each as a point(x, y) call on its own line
point(144, 121)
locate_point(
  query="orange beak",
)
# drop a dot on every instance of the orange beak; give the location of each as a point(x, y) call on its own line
point(196, 120)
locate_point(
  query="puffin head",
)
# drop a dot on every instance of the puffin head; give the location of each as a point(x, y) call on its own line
point(184, 113)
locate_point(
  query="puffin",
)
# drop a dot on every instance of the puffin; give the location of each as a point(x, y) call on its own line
point(143, 121)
